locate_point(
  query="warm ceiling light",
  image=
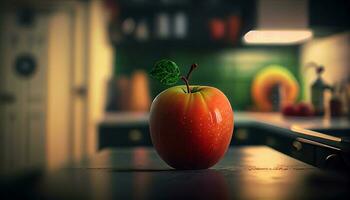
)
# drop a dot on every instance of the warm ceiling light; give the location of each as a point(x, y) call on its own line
point(277, 36)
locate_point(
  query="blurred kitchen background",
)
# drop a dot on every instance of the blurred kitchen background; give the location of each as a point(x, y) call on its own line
point(72, 71)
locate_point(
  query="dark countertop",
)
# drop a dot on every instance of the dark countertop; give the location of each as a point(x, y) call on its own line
point(138, 173)
point(275, 119)
point(322, 130)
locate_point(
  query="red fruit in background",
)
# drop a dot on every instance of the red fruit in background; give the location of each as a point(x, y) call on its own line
point(289, 110)
point(191, 130)
point(304, 109)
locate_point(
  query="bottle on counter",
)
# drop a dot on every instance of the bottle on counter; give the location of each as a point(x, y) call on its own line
point(275, 97)
point(128, 26)
point(162, 26)
point(347, 97)
point(139, 95)
point(142, 31)
point(318, 88)
point(335, 104)
point(233, 28)
point(217, 28)
point(180, 23)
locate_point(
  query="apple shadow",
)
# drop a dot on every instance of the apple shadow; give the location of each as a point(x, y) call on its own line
point(113, 169)
point(141, 170)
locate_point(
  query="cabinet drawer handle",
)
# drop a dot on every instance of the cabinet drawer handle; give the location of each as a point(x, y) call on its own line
point(297, 145)
point(135, 135)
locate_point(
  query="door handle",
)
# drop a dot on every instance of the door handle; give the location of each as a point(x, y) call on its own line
point(6, 97)
point(80, 91)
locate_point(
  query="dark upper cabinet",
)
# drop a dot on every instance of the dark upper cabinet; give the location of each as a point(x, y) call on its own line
point(327, 16)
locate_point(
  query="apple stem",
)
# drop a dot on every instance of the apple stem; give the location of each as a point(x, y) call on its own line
point(193, 66)
point(187, 78)
point(187, 85)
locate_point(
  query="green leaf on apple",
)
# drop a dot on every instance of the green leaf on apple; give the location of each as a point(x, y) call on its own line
point(166, 71)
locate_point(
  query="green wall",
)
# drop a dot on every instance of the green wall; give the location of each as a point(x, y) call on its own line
point(230, 70)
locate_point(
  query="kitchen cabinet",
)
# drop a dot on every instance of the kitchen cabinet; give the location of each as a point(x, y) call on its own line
point(126, 135)
point(131, 136)
point(123, 136)
point(250, 129)
point(327, 17)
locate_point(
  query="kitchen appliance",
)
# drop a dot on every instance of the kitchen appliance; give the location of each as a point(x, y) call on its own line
point(280, 22)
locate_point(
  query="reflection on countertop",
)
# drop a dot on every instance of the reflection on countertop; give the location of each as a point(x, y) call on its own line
point(251, 172)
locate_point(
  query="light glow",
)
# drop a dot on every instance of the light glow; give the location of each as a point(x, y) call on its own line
point(281, 37)
point(303, 131)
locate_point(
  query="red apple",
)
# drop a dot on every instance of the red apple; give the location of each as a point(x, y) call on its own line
point(304, 109)
point(289, 110)
point(191, 130)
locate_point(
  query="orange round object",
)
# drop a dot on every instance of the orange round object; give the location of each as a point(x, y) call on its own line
point(191, 130)
point(269, 77)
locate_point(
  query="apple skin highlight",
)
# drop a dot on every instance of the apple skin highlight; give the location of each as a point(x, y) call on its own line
point(191, 130)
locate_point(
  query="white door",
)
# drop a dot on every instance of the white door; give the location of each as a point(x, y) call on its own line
point(42, 88)
point(23, 86)
point(66, 94)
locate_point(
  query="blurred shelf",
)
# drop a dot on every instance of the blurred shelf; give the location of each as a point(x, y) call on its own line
point(196, 15)
point(187, 4)
point(176, 44)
